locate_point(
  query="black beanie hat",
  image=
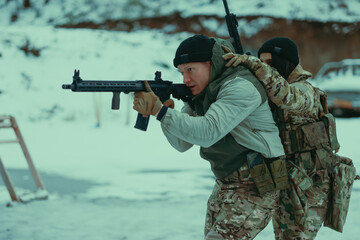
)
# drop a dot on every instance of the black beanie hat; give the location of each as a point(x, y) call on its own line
point(282, 47)
point(197, 48)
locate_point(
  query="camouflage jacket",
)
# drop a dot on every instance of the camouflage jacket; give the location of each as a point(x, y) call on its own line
point(301, 106)
point(298, 99)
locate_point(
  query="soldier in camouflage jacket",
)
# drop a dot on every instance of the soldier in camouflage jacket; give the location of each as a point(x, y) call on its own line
point(298, 111)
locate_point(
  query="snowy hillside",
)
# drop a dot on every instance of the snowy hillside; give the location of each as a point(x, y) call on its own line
point(64, 11)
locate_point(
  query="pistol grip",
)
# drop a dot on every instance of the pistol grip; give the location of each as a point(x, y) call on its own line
point(142, 122)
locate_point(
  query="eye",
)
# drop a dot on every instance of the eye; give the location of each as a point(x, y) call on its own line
point(190, 69)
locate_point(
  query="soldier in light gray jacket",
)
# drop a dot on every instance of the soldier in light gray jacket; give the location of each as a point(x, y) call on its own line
point(230, 119)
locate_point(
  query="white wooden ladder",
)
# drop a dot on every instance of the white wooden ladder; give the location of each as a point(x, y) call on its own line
point(40, 193)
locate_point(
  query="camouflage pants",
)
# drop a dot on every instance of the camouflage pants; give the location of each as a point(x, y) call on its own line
point(236, 210)
point(314, 207)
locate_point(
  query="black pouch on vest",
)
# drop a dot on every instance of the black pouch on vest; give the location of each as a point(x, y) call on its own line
point(260, 173)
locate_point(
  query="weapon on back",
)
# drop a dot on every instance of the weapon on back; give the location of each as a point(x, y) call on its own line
point(232, 25)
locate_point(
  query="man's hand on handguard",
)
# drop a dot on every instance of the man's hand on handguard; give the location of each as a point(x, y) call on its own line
point(235, 59)
point(147, 103)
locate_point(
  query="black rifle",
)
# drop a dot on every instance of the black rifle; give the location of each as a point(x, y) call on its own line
point(232, 25)
point(163, 89)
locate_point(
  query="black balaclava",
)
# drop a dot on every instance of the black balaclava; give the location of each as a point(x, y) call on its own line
point(284, 53)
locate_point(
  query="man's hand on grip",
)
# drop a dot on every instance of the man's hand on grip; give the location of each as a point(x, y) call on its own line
point(169, 103)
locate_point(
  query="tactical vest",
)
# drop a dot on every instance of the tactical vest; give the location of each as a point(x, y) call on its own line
point(317, 139)
point(310, 136)
point(226, 155)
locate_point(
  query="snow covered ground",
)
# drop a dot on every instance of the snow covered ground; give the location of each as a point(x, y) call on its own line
point(113, 181)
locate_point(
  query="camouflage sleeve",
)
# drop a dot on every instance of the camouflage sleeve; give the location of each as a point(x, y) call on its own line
point(298, 96)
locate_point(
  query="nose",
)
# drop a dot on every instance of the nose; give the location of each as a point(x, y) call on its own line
point(186, 78)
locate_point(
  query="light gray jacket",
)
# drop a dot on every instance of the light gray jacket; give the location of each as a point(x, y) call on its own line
point(237, 110)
